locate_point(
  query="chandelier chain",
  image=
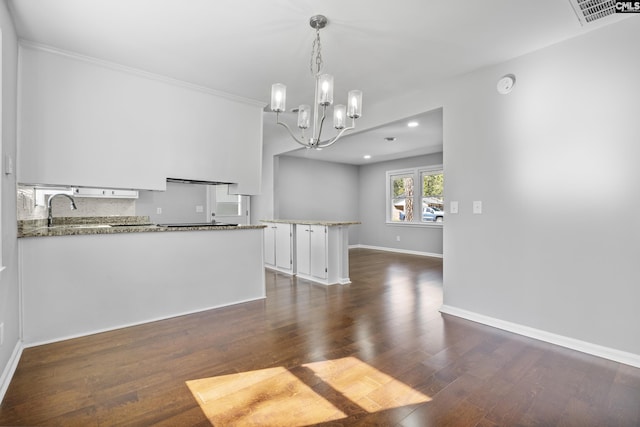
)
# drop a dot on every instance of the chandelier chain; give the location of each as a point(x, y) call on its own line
point(316, 55)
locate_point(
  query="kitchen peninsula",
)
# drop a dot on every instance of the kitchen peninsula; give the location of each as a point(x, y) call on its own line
point(82, 278)
point(310, 249)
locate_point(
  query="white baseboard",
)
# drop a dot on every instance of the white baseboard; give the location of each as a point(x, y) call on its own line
point(563, 341)
point(400, 251)
point(279, 270)
point(10, 369)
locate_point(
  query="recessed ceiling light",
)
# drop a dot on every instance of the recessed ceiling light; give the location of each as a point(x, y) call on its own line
point(390, 138)
point(367, 156)
point(412, 124)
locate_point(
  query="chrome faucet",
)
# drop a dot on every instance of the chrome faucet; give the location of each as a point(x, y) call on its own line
point(73, 206)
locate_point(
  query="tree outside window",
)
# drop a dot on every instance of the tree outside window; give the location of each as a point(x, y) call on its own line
point(402, 200)
point(432, 196)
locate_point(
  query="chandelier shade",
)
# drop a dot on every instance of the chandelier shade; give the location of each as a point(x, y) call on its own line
point(354, 107)
point(278, 97)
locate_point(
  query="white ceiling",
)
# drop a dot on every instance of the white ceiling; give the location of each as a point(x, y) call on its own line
point(426, 138)
point(243, 46)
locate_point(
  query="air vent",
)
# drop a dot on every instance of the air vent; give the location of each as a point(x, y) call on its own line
point(589, 11)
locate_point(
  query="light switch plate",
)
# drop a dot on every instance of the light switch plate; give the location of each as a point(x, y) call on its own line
point(8, 164)
point(477, 207)
point(453, 207)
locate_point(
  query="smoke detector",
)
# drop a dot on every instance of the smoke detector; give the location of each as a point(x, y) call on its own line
point(589, 11)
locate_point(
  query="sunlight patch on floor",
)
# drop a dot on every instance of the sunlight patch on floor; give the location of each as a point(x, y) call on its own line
point(366, 386)
point(278, 397)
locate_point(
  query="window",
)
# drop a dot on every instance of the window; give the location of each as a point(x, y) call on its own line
point(227, 204)
point(415, 196)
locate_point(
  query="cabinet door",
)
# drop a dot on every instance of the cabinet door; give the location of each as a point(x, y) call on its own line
point(283, 246)
point(318, 251)
point(270, 245)
point(303, 246)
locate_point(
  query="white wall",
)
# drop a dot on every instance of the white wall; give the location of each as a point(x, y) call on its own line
point(374, 231)
point(178, 203)
point(311, 189)
point(9, 293)
point(556, 166)
point(264, 205)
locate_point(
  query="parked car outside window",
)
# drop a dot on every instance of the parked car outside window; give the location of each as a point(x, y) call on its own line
point(431, 214)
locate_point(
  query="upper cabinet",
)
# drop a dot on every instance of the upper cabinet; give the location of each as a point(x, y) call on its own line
point(90, 123)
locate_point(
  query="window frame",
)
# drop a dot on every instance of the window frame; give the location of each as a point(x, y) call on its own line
point(417, 174)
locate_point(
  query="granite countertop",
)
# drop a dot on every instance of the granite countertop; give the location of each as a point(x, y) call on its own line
point(72, 226)
point(310, 222)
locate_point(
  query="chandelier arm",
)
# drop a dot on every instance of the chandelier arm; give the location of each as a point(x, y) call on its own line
point(295, 138)
point(334, 139)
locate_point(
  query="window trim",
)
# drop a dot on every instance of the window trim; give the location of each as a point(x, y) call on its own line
point(417, 196)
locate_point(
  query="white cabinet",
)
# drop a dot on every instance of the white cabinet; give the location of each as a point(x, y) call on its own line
point(278, 247)
point(270, 246)
point(322, 252)
point(311, 251)
point(84, 123)
point(107, 193)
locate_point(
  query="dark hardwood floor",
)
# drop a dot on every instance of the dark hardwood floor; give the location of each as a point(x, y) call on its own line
point(376, 352)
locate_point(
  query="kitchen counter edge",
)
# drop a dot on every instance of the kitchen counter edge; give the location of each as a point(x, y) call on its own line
point(110, 226)
point(310, 222)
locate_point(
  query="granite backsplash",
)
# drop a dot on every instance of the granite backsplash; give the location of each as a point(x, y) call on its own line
point(87, 207)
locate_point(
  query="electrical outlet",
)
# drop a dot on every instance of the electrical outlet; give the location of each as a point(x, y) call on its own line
point(199, 208)
point(397, 238)
point(159, 211)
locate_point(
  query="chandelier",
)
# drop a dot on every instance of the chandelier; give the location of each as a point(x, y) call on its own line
point(323, 99)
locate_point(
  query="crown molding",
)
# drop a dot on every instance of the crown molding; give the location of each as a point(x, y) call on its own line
point(26, 44)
